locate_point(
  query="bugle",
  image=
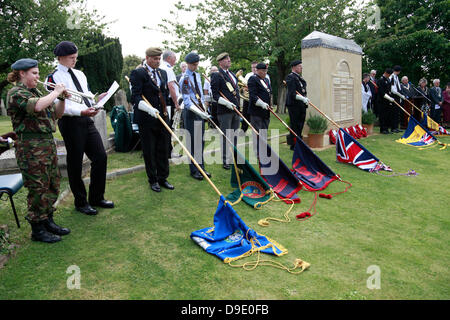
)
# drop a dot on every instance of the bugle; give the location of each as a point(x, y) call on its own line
point(75, 96)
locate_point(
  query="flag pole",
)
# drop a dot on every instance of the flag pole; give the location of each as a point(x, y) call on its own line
point(281, 120)
point(320, 111)
point(186, 150)
point(234, 108)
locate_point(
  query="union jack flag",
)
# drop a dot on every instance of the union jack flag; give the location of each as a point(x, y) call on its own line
point(348, 150)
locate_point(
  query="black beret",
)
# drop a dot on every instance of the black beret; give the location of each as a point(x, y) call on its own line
point(261, 66)
point(295, 63)
point(192, 57)
point(397, 68)
point(24, 64)
point(65, 48)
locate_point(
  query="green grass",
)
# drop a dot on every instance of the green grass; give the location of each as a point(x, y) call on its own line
point(6, 126)
point(141, 249)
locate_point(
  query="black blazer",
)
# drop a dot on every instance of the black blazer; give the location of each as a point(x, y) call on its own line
point(384, 86)
point(142, 84)
point(434, 97)
point(295, 83)
point(219, 84)
point(257, 90)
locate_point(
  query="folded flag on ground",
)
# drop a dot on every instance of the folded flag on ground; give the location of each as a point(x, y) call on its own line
point(348, 150)
point(230, 239)
point(417, 135)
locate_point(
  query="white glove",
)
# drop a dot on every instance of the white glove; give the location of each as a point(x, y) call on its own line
point(226, 103)
point(305, 100)
point(200, 113)
point(388, 97)
point(400, 95)
point(262, 104)
point(143, 106)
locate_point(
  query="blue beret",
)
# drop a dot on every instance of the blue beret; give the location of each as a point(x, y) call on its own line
point(296, 63)
point(192, 57)
point(65, 48)
point(24, 64)
point(261, 66)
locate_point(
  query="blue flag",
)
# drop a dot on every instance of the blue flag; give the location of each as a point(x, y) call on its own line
point(230, 239)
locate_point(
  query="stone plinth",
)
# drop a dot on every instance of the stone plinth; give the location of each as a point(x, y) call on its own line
point(332, 69)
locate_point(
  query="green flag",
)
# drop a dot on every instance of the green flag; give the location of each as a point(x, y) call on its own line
point(249, 184)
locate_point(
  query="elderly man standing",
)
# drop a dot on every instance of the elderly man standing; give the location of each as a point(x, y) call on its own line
point(436, 101)
point(169, 60)
point(224, 86)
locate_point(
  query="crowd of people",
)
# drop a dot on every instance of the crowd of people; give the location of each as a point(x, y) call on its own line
point(157, 97)
point(381, 96)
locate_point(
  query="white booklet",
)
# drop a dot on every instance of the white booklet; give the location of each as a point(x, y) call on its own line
point(111, 91)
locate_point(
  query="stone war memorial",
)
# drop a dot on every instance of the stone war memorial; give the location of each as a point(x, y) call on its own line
point(332, 69)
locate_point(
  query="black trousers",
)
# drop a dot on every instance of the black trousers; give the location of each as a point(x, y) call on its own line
point(387, 115)
point(244, 125)
point(155, 143)
point(81, 136)
point(297, 117)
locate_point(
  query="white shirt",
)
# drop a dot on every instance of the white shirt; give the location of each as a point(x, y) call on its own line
point(170, 74)
point(153, 74)
point(396, 83)
point(62, 75)
point(365, 97)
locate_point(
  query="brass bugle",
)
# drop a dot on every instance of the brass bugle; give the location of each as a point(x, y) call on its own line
point(75, 96)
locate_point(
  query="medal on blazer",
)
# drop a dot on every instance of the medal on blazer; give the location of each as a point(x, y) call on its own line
point(263, 82)
point(230, 87)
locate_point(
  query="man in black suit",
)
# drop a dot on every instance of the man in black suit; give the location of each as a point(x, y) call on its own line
point(436, 101)
point(295, 103)
point(225, 90)
point(151, 82)
point(385, 102)
point(260, 91)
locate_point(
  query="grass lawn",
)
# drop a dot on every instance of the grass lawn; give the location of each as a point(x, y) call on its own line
point(142, 250)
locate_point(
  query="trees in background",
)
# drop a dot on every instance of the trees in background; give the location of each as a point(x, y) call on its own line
point(32, 29)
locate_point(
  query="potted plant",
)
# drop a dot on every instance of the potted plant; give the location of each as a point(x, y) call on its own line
point(317, 126)
point(368, 119)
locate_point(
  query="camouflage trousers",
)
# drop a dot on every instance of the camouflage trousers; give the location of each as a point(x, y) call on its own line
point(38, 163)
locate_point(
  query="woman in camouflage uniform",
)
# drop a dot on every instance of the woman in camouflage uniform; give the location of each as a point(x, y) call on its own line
point(33, 117)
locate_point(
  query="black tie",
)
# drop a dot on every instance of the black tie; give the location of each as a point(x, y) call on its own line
point(78, 86)
point(155, 80)
point(197, 89)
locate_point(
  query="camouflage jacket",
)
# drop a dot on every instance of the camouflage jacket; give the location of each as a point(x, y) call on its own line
point(21, 103)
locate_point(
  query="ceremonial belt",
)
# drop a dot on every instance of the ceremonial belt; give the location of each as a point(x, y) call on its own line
point(35, 135)
point(161, 98)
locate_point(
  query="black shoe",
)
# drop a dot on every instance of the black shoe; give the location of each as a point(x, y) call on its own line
point(384, 132)
point(166, 185)
point(226, 166)
point(395, 131)
point(87, 209)
point(155, 187)
point(52, 227)
point(40, 233)
point(207, 173)
point(197, 175)
point(103, 204)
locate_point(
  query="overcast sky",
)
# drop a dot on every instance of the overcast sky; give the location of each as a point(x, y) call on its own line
point(128, 18)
